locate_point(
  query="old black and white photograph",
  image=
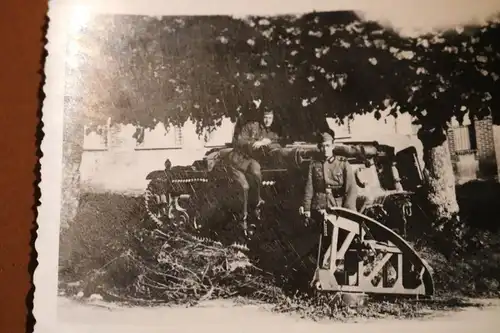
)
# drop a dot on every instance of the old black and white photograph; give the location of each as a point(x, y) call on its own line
point(306, 167)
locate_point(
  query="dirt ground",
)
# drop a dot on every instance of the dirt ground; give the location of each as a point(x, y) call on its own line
point(226, 316)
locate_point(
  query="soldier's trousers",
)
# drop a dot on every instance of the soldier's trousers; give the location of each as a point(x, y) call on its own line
point(248, 177)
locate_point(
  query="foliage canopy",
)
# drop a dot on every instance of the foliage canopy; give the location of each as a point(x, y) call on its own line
point(143, 70)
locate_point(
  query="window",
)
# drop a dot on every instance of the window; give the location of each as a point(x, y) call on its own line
point(159, 138)
point(464, 138)
point(178, 136)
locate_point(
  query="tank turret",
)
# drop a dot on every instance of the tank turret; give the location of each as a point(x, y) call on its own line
point(380, 173)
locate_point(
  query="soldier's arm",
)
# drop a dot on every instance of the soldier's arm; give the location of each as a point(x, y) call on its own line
point(351, 190)
point(308, 190)
point(245, 139)
point(275, 137)
point(275, 141)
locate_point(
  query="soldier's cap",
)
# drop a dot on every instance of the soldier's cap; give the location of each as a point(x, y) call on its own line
point(327, 137)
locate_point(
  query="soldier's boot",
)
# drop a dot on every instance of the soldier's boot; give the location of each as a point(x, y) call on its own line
point(244, 215)
point(244, 224)
point(248, 228)
point(258, 209)
point(240, 237)
point(251, 228)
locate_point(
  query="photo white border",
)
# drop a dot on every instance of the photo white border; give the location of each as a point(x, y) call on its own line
point(47, 242)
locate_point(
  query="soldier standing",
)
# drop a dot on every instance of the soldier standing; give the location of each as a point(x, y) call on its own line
point(244, 169)
point(330, 181)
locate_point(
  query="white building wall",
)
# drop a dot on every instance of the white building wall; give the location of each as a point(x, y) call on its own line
point(120, 164)
point(389, 130)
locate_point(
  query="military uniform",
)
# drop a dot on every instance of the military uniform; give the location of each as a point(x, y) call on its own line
point(330, 182)
point(252, 132)
point(243, 167)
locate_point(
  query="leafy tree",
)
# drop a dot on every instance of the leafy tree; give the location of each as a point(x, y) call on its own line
point(345, 66)
point(456, 75)
point(145, 70)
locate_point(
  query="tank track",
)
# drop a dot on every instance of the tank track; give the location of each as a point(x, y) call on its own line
point(147, 196)
point(204, 240)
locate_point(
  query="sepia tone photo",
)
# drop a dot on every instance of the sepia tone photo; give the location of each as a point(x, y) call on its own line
point(311, 168)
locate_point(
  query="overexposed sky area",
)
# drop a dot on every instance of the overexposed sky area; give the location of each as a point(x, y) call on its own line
point(421, 16)
point(409, 17)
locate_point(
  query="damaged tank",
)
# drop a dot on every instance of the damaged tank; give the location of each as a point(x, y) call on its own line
point(202, 200)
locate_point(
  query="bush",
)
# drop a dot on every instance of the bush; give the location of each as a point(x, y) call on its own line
point(479, 204)
point(112, 251)
point(102, 229)
point(115, 253)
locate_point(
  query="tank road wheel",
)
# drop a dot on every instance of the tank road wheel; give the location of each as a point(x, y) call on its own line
point(156, 204)
point(360, 255)
point(163, 208)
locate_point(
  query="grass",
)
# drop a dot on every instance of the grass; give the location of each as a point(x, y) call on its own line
point(100, 251)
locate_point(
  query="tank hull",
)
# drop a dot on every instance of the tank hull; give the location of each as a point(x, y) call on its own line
point(202, 199)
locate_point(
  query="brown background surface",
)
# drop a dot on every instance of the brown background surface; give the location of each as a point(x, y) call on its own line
point(21, 25)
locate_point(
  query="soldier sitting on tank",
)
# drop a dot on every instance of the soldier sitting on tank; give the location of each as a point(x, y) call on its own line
point(330, 182)
point(253, 138)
